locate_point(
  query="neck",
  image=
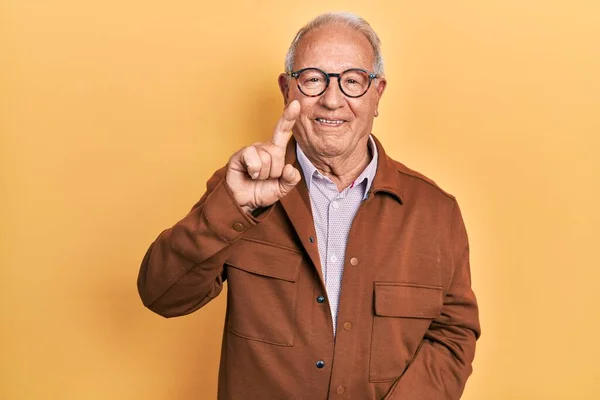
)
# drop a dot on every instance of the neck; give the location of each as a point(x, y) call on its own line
point(345, 168)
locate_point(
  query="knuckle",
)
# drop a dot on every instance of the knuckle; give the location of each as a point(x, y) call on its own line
point(251, 159)
point(276, 151)
point(248, 150)
point(264, 155)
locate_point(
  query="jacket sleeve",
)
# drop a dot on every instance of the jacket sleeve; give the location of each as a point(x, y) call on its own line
point(184, 268)
point(442, 364)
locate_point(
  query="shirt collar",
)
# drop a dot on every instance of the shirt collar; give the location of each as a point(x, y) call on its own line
point(367, 174)
point(308, 169)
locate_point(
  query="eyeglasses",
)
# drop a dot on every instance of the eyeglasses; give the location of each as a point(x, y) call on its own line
point(314, 82)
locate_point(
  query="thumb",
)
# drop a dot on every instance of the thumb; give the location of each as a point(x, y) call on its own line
point(290, 177)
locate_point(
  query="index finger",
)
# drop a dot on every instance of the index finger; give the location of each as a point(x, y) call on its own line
point(282, 134)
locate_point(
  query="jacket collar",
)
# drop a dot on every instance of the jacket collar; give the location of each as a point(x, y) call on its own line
point(387, 179)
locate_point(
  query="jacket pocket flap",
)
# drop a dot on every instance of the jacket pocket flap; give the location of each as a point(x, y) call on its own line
point(266, 260)
point(407, 300)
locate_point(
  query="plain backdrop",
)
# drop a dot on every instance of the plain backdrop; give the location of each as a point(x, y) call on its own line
point(114, 113)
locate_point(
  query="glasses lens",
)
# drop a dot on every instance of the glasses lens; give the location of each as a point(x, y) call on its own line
point(312, 82)
point(355, 82)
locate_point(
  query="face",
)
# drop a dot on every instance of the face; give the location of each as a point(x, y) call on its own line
point(332, 124)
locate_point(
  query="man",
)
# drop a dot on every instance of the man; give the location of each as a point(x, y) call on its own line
point(348, 273)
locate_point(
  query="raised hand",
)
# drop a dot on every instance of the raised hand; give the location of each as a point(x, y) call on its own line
point(257, 174)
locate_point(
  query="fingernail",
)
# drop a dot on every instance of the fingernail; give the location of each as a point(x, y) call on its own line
point(255, 175)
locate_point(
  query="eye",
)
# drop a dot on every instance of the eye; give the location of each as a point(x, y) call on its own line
point(313, 79)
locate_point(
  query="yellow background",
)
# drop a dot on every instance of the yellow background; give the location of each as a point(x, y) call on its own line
point(114, 113)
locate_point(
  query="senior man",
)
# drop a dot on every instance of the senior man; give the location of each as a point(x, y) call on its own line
point(348, 273)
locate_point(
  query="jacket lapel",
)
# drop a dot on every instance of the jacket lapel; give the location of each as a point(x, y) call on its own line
point(298, 209)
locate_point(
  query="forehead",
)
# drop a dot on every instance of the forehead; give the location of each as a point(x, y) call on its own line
point(334, 48)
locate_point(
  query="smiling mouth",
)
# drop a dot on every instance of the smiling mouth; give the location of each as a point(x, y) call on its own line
point(330, 122)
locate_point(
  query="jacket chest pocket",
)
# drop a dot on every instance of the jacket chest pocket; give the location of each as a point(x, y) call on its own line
point(403, 313)
point(262, 292)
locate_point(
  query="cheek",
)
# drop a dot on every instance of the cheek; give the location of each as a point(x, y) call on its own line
point(303, 123)
point(306, 110)
point(363, 111)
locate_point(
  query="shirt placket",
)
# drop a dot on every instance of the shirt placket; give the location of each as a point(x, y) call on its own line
point(335, 252)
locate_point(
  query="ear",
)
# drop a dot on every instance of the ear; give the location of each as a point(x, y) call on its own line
point(284, 86)
point(380, 88)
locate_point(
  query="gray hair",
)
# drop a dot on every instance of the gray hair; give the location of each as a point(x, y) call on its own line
point(352, 21)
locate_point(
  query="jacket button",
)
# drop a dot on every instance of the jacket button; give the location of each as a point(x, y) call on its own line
point(320, 299)
point(340, 390)
point(320, 364)
point(347, 325)
point(238, 227)
point(354, 261)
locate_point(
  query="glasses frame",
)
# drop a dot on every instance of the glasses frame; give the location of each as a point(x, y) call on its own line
point(328, 76)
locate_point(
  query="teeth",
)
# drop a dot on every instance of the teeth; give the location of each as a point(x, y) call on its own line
point(330, 121)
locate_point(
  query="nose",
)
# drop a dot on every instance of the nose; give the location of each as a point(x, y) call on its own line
point(333, 98)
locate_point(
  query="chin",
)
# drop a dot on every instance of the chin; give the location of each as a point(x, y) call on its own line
point(332, 148)
point(328, 142)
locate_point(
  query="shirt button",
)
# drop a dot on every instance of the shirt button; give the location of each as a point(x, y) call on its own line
point(335, 205)
point(320, 364)
point(238, 227)
point(333, 258)
point(347, 325)
point(340, 390)
point(320, 299)
point(354, 261)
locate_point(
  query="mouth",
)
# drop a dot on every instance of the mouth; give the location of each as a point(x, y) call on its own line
point(329, 122)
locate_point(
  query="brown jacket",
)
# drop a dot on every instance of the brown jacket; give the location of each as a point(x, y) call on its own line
point(407, 319)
